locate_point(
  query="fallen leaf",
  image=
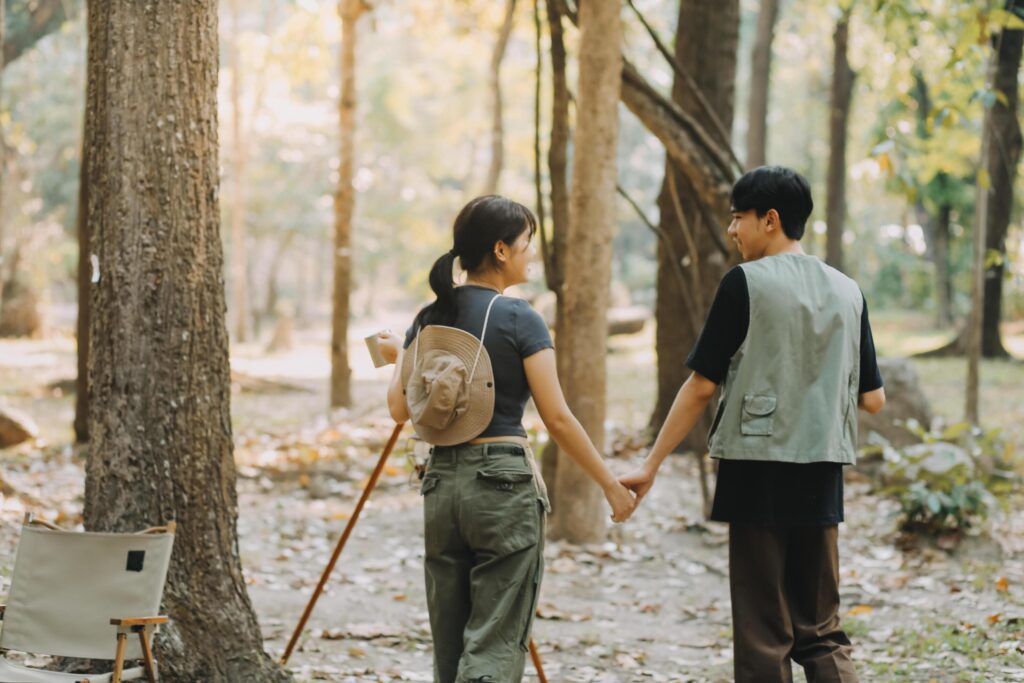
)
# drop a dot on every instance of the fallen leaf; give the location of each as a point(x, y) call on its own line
point(1002, 584)
point(994, 619)
point(859, 610)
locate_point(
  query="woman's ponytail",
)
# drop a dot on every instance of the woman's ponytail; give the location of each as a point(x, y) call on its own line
point(442, 280)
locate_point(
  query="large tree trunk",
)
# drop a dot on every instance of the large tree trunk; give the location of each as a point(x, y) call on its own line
point(1003, 157)
point(558, 167)
point(159, 376)
point(760, 73)
point(588, 264)
point(839, 115)
point(239, 284)
point(344, 207)
point(497, 127)
point(706, 45)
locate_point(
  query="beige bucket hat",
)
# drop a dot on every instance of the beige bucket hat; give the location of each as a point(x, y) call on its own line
point(448, 384)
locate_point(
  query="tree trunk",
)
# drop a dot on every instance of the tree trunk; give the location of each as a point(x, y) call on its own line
point(84, 276)
point(273, 273)
point(239, 285)
point(588, 264)
point(940, 256)
point(558, 166)
point(497, 128)
point(159, 378)
point(839, 114)
point(344, 207)
point(706, 45)
point(760, 73)
point(1003, 157)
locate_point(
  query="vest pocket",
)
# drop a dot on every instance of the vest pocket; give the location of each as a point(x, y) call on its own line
point(757, 419)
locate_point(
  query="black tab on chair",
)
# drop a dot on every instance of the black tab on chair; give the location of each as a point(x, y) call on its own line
point(135, 558)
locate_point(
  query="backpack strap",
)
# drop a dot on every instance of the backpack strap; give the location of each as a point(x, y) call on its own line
point(483, 334)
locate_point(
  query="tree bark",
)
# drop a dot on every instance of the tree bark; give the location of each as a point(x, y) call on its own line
point(159, 377)
point(344, 207)
point(588, 264)
point(239, 288)
point(497, 126)
point(1003, 158)
point(839, 114)
point(558, 168)
point(706, 46)
point(760, 73)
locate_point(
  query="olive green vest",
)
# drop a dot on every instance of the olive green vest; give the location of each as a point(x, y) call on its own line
point(791, 391)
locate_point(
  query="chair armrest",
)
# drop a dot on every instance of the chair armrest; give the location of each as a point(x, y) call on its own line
point(138, 621)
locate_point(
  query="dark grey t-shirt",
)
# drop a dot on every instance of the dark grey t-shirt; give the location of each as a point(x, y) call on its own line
point(515, 331)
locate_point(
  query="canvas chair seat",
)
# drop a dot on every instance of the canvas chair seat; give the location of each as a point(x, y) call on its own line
point(15, 673)
point(85, 595)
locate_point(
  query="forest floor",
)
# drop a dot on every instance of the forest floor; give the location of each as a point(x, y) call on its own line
point(649, 604)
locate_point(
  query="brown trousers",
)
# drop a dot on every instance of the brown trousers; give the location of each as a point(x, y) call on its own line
point(785, 604)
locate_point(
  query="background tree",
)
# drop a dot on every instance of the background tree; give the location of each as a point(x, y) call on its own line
point(497, 113)
point(706, 46)
point(159, 383)
point(554, 251)
point(839, 116)
point(239, 290)
point(345, 199)
point(588, 262)
point(32, 20)
point(760, 79)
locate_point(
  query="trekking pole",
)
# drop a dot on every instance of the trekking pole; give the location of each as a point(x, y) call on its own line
point(341, 541)
point(535, 656)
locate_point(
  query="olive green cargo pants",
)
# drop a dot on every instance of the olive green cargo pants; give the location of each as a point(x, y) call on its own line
point(484, 513)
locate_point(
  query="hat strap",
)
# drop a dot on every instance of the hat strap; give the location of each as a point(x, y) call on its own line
point(483, 334)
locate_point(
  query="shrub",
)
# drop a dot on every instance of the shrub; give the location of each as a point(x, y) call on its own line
point(949, 481)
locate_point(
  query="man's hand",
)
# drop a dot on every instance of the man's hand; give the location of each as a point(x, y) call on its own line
point(639, 481)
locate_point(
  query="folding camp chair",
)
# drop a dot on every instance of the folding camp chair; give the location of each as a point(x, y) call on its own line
point(80, 594)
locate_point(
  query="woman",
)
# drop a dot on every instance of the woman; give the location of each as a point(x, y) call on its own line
point(484, 501)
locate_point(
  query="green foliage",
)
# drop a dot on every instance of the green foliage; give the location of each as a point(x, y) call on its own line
point(949, 481)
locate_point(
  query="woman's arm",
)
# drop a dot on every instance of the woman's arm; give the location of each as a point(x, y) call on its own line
point(565, 429)
point(390, 345)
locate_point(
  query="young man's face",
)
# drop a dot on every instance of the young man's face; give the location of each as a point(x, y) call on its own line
point(750, 233)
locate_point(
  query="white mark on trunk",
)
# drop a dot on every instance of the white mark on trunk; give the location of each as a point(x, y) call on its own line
point(94, 264)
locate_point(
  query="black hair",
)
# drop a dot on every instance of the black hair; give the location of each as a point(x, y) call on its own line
point(480, 225)
point(779, 188)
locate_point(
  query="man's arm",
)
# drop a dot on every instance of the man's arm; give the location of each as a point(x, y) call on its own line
point(872, 401)
point(689, 405)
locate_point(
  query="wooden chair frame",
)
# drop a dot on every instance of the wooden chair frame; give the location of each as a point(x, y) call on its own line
point(142, 626)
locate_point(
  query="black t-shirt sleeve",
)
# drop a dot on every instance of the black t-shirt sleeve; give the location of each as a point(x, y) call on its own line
point(531, 332)
point(870, 377)
point(725, 328)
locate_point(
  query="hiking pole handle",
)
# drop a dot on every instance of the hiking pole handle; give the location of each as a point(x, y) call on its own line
point(341, 541)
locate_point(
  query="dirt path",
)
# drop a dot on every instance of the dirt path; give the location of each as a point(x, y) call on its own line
point(651, 604)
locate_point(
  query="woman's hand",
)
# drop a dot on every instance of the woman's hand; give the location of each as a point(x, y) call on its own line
point(622, 501)
point(640, 480)
point(389, 344)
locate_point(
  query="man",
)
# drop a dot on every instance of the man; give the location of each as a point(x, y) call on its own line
point(788, 338)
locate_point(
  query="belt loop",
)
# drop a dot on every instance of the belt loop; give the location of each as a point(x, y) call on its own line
point(487, 449)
